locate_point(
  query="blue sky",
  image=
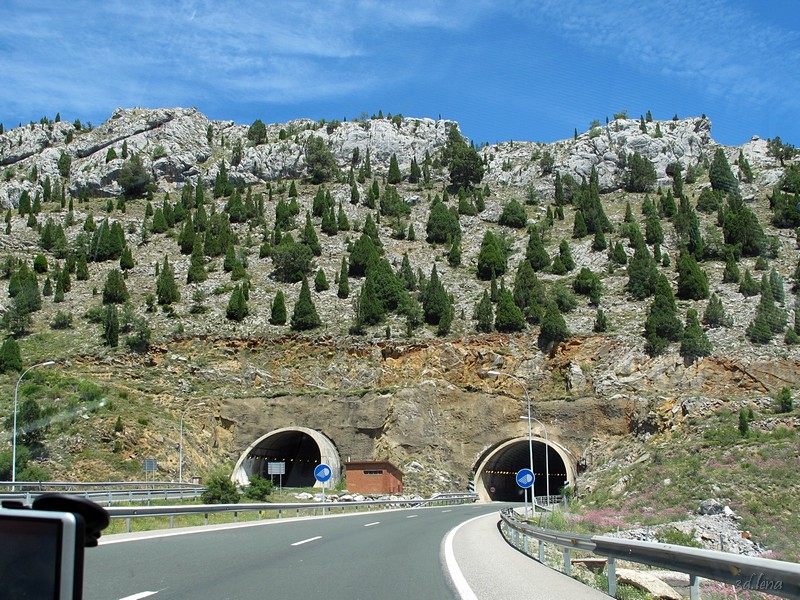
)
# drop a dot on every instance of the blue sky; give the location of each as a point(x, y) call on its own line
point(511, 70)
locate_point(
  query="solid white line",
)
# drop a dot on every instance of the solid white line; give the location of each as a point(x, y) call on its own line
point(139, 596)
point(371, 524)
point(459, 581)
point(301, 542)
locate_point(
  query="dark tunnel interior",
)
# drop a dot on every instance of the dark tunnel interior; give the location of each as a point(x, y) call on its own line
point(297, 450)
point(499, 472)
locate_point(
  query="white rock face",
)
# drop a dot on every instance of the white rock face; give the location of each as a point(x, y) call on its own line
point(181, 145)
point(683, 141)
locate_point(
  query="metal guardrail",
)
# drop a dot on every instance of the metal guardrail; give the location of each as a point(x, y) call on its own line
point(775, 577)
point(106, 493)
point(132, 512)
point(52, 486)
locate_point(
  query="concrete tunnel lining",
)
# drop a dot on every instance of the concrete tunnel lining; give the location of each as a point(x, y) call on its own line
point(497, 467)
point(301, 448)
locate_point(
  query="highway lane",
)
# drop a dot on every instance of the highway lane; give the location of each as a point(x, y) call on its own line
point(387, 555)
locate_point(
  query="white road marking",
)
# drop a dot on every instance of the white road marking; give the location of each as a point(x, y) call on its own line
point(448, 510)
point(412, 516)
point(459, 581)
point(139, 596)
point(301, 542)
point(371, 524)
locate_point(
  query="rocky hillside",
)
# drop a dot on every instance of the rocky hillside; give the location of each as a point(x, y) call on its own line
point(410, 393)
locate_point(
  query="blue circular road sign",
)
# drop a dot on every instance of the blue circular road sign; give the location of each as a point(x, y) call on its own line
point(322, 473)
point(525, 478)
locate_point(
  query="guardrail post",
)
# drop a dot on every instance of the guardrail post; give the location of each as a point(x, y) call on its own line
point(612, 576)
point(525, 543)
point(541, 551)
point(205, 516)
point(128, 525)
point(694, 587)
point(171, 521)
point(568, 562)
point(110, 498)
point(235, 516)
point(280, 513)
point(297, 512)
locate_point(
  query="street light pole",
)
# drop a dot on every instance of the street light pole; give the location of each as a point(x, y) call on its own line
point(14, 441)
point(180, 442)
point(530, 434)
point(547, 451)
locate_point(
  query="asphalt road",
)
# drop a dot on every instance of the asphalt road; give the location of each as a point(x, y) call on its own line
point(386, 555)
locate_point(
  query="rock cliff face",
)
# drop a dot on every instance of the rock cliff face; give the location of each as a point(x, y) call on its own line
point(182, 145)
point(422, 400)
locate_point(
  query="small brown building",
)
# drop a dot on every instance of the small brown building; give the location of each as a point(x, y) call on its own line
point(373, 477)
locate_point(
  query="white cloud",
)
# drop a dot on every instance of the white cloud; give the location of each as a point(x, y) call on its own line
point(710, 44)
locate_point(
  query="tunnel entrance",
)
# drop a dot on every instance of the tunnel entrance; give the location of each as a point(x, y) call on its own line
point(495, 476)
point(299, 449)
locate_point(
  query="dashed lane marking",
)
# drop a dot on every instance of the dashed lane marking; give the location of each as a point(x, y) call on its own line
point(313, 539)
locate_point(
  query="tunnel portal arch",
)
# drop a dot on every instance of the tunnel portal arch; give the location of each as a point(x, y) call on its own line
point(496, 469)
point(299, 448)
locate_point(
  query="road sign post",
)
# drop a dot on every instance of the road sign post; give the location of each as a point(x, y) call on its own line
point(323, 473)
point(277, 468)
point(525, 480)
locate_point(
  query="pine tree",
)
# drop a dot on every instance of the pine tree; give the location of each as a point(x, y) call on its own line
point(776, 283)
point(406, 274)
point(579, 229)
point(714, 315)
point(642, 273)
point(166, 288)
point(111, 326)
point(126, 259)
point(528, 290)
point(491, 258)
point(759, 331)
point(197, 266)
point(435, 300)
point(344, 285)
point(309, 237)
point(748, 286)
point(82, 268)
point(484, 314)
point(720, 174)
point(305, 315)
point(321, 282)
point(454, 254)
point(775, 316)
point(553, 328)
point(662, 325)
point(535, 253)
point(588, 284)
point(508, 316)
point(731, 272)
point(342, 223)
point(10, 357)
point(237, 308)
point(599, 242)
point(415, 174)
point(600, 321)
point(694, 342)
point(278, 310)
point(115, 291)
point(371, 309)
point(692, 280)
point(362, 255)
point(394, 177)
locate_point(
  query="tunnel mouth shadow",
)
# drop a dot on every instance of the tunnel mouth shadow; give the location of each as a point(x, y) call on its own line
point(298, 449)
point(496, 469)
